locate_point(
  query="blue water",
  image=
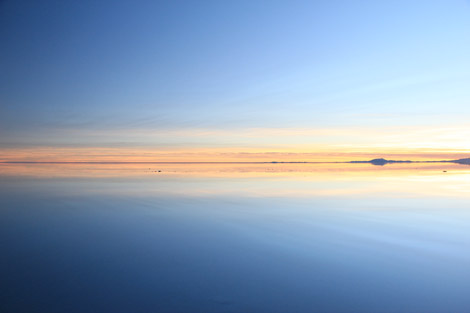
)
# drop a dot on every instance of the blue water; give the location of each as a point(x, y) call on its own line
point(234, 241)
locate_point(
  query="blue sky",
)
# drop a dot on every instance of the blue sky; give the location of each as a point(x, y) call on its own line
point(89, 72)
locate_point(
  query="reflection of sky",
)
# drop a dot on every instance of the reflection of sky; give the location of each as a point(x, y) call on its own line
point(117, 238)
point(260, 180)
point(380, 75)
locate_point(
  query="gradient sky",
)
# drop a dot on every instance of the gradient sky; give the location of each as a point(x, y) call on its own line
point(234, 80)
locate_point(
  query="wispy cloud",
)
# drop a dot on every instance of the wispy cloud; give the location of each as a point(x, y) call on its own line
point(259, 144)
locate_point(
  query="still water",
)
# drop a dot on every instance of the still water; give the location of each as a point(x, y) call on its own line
point(234, 238)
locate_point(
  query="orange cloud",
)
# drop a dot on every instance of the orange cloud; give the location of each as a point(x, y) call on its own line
point(258, 145)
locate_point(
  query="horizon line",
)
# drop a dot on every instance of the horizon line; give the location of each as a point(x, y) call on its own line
point(232, 162)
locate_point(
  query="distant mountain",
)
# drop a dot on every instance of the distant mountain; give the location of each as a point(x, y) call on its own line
point(462, 161)
point(382, 161)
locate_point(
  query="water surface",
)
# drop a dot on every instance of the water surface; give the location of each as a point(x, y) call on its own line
point(234, 238)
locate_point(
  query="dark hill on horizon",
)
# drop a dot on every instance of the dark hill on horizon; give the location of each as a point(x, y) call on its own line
point(462, 161)
point(382, 161)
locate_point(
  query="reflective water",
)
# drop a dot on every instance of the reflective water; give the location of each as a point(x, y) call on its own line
point(234, 238)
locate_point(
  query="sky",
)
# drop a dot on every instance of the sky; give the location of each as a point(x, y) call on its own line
point(234, 80)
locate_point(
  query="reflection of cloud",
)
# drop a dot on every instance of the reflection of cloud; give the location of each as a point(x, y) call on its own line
point(265, 180)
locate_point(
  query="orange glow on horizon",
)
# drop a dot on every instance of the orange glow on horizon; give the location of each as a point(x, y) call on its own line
point(320, 154)
point(254, 145)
